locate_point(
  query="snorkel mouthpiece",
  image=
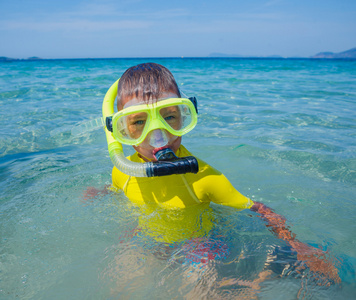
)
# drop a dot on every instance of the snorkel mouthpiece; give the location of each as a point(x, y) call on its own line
point(168, 164)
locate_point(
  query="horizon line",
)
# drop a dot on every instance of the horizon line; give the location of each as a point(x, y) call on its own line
point(276, 57)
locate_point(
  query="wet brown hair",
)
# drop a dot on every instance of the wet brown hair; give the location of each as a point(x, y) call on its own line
point(148, 81)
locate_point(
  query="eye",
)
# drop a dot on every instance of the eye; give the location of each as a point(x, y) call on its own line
point(139, 122)
point(169, 118)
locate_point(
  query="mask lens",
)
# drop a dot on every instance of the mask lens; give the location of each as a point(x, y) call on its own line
point(177, 117)
point(131, 127)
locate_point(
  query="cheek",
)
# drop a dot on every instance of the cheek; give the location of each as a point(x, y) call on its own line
point(135, 131)
point(176, 143)
point(144, 152)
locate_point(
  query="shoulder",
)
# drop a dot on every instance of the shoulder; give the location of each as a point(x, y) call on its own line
point(204, 168)
point(216, 186)
point(118, 178)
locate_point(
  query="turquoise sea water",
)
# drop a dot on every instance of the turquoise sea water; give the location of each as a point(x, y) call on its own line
point(282, 131)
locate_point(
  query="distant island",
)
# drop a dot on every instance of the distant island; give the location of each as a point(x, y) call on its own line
point(218, 54)
point(349, 54)
point(4, 58)
point(341, 55)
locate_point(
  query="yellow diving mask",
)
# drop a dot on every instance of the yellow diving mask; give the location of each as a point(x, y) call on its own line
point(132, 124)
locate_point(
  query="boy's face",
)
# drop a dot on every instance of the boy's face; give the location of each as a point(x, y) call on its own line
point(145, 150)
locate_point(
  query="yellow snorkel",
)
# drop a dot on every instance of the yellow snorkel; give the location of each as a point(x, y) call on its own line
point(167, 163)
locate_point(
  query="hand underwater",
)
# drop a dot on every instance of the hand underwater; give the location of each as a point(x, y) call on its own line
point(92, 192)
point(315, 259)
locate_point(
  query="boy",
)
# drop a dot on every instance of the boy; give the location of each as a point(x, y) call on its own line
point(147, 94)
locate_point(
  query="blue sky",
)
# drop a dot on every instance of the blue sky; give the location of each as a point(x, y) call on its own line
point(155, 28)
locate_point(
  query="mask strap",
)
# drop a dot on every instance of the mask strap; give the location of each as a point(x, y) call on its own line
point(195, 102)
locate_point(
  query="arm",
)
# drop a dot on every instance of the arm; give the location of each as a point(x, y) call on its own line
point(220, 191)
point(316, 259)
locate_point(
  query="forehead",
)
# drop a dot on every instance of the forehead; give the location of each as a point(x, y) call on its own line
point(130, 101)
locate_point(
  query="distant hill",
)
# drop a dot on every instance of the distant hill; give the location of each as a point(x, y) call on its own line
point(349, 54)
point(34, 58)
point(218, 54)
point(346, 54)
point(4, 58)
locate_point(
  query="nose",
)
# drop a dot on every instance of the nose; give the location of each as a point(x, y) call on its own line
point(158, 138)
